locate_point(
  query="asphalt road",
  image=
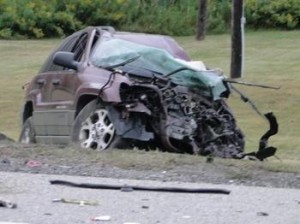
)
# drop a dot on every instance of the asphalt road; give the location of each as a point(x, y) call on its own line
point(33, 195)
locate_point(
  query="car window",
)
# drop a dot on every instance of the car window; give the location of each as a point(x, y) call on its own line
point(67, 45)
point(95, 39)
point(79, 48)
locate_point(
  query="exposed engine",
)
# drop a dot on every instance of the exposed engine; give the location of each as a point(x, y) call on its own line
point(183, 120)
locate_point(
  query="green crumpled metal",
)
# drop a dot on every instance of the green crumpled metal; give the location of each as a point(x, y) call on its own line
point(115, 51)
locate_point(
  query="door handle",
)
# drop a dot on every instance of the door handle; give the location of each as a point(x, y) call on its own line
point(41, 81)
point(55, 82)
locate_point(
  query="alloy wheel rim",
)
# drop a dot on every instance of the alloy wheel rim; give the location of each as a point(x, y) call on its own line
point(97, 131)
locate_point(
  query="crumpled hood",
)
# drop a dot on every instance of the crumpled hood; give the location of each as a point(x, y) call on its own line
point(160, 62)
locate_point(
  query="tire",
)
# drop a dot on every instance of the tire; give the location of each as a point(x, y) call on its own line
point(27, 135)
point(92, 128)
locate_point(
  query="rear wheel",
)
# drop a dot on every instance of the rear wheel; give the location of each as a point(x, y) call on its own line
point(27, 135)
point(93, 129)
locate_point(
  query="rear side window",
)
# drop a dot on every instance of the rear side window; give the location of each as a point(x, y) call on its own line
point(67, 45)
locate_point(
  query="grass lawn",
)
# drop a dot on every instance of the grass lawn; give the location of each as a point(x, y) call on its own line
point(271, 57)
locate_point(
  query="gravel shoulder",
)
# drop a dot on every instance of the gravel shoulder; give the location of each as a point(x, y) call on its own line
point(140, 165)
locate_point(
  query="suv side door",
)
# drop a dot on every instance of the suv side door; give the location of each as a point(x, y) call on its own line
point(62, 91)
point(54, 110)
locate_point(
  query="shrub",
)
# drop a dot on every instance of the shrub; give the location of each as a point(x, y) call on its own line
point(283, 14)
point(219, 16)
point(36, 19)
point(172, 17)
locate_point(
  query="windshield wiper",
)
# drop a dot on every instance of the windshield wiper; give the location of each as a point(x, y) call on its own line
point(122, 63)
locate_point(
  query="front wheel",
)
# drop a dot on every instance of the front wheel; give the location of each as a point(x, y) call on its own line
point(93, 129)
point(27, 135)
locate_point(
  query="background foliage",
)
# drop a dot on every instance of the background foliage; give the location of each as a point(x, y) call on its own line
point(37, 19)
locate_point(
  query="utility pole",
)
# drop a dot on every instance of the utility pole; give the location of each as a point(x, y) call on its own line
point(237, 39)
point(202, 20)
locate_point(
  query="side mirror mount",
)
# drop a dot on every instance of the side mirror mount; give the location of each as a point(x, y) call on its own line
point(65, 59)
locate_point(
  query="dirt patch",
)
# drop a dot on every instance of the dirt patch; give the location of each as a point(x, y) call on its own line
point(139, 164)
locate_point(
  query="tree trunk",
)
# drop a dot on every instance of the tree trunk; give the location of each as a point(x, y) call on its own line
point(202, 20)
point(237, 39)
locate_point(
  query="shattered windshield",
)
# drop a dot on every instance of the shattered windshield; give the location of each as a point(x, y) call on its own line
point(114, 53)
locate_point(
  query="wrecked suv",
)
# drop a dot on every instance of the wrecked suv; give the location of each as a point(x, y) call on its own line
point(105, 89)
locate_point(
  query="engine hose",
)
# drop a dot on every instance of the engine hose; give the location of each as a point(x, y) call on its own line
point(263, 143)
point(127, 188)
point(265, 151)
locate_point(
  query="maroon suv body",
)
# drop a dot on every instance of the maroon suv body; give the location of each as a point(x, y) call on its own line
point(103, 89)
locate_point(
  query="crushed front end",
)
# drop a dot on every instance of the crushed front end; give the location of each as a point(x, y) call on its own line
point(179, 119)
point(170, 103)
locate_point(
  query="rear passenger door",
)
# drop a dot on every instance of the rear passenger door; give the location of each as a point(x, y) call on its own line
point(54, 111)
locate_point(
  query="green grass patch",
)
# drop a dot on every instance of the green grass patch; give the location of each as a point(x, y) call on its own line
point(271, 57)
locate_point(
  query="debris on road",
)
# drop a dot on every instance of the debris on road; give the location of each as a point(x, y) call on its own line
point(262, 214)
point(74, 201)
point(7, 204)
point(141, 188)
point(33, 163)
point(102, 218)
point(186, 217)
point(5, 161)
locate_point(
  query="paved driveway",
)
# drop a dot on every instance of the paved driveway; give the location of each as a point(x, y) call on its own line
point(33, 195)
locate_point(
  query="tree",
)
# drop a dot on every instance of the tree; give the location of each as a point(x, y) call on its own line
point(202, 20)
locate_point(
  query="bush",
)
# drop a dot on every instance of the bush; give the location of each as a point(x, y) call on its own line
point(163, 16)
point(219, 16)
point(35, 19)
point(283, 14)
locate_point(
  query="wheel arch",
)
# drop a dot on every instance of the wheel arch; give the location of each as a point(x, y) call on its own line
point(82, 101)
point(27, 111)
